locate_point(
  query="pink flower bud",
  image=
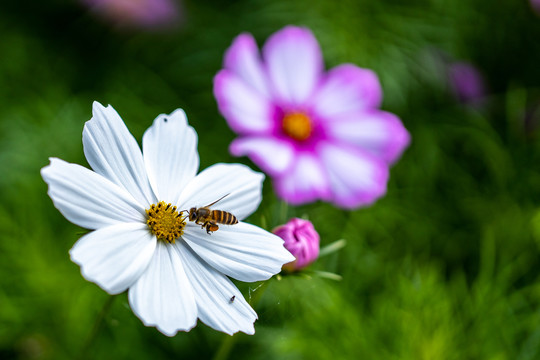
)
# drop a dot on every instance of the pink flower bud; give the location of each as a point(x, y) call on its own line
point(301, 240)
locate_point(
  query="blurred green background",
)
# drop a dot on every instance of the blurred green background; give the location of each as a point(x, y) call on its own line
point(445, 266)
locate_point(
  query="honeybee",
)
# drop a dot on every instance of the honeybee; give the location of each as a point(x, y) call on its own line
point(209, 218)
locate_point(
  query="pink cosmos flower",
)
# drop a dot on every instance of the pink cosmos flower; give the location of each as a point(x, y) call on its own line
point(320, 135)
point(136, 13)
point(535, 4)
point(302, 240)
point(466, 81)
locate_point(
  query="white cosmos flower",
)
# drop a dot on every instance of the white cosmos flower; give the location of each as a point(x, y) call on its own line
point(171, 280)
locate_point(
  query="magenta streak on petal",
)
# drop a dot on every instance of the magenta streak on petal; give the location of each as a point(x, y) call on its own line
point(288, 184)
point(318, 132)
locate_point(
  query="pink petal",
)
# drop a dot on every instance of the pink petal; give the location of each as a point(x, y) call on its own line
point(306, 181)
point(357, 178)
point(347, 88)
point(243, 59)
point(378, 132)
point(294, 64)
point(272, 155)
point(246, 111)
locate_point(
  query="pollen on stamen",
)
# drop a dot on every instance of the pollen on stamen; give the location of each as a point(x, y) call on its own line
point(297, 125)
point(165, 221)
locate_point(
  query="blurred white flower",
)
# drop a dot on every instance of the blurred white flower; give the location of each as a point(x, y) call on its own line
point(175, 272)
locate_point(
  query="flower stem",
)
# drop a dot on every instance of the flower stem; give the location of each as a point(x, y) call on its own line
point(225, 348)
point(96, 328)
point(228, 342)
point(284, 212)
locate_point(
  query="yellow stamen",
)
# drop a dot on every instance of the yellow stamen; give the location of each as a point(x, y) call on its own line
point(165, 222)
point(297, 125)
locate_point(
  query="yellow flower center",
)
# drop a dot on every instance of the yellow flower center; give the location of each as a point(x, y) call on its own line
point(297, 125)
point(165, 222)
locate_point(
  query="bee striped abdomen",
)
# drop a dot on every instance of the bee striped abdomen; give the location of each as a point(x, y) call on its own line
point(224, 217)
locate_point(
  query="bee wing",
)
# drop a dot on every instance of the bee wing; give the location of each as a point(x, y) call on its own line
point(221, 198)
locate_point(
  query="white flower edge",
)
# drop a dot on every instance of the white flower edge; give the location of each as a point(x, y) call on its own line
point(190, 283)
point(243, 251)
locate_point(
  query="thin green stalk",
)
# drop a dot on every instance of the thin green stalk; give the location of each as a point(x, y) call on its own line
point(225, 348)
point(96, 328)
point(284, 212)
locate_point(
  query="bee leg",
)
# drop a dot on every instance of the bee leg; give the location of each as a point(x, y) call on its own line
point(211, 227)
point(204, 225)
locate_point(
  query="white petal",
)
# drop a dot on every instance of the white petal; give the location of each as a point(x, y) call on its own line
point(114, 153)
point(272, 155)
point(88, 199)
point(170, 155)
point(213, 293)
point(163, 296)
point(114, 257)
point(242, 185)
point(242, 251)
point(294, 62)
